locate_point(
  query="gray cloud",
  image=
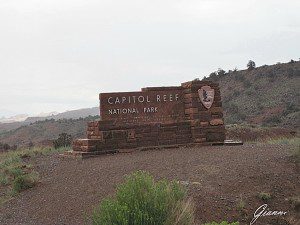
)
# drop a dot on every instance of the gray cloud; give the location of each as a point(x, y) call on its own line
point(59, 54)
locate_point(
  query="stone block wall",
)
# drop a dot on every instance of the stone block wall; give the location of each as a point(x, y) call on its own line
point(207, 125)
point(200, 125)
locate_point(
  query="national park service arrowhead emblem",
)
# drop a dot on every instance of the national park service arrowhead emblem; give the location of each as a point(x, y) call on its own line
point(206, 95)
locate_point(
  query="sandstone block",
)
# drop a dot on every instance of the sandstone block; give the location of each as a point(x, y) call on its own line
point(216, 110)
point(191, 111)
point(215, 122)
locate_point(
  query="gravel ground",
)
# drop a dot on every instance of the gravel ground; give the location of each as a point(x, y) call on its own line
point(217, 178)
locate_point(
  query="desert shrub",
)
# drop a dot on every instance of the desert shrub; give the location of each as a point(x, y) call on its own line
point(14, 147)
point(290, 72)
point(292, 61)
point(251, 65)
point(16, 174)
point(23, 182)
point(292, 107)
point(4, 146)
point(64, 140)
point(247, 83)
point(221, 72)
point(239, 77)
point(258, 75)
point(30, 144)
point(222, 223)
point(259, 105)
point(213, 76)
point(270, 73)
point(250, 92)
point(230, 120)
point(273, 120)
point(296, 73)
point(295, 201)
point(233, 110)
point(241, 204)
point(3, 179)
point(241, 116)
point(15, 170)
point(236, 93)
point(141, 201)
point(234, 115)
point(264, 196)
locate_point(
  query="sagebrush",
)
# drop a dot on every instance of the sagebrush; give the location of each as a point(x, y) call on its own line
point(142, 201)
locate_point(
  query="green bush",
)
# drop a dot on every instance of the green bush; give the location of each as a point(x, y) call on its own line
point(264, 196)
point(247, 83)
point(221, 72)
point(236, 93)
point(273, 120)
point(222, 223)
point(23, 182)
point(142, 201)
point(251, 65)
point(64, 140)
point(3, 179)
point(241, 204)
point(239, 77)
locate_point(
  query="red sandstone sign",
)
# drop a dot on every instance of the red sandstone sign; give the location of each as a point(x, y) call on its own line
point(157, 116)
point(141, 107)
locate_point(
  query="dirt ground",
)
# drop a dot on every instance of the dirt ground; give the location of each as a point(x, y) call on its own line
point(218, 178)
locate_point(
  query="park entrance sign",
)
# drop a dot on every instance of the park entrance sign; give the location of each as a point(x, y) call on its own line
point(142, 107)
point(156, 117)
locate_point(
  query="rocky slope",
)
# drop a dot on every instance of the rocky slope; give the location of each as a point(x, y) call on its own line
point(267, 95)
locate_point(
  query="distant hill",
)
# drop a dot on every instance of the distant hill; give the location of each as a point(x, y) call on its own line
point(23, 117)
point(72, 114)
point(12, 119)
point(267, 95)
point(5, 127)
point(40, 132)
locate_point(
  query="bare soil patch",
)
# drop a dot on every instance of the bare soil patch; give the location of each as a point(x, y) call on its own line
point(218, 178)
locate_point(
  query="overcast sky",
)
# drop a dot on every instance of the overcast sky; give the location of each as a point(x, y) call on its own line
point(58, 55)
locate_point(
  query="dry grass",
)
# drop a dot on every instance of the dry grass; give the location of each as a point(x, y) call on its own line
point(264, 196)
point(294, 144)
point(16, 173)
point(294, 141)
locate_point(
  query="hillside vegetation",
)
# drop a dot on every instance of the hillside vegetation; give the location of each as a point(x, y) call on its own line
point(72, 114)
point(267, 95)
point(43, 132)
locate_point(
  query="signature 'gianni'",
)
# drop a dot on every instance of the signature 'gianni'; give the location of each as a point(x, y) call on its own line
point(262, 211)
